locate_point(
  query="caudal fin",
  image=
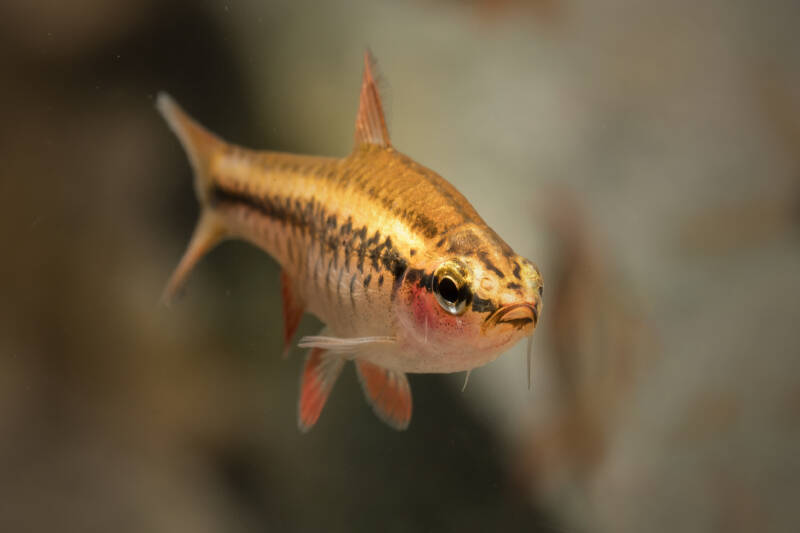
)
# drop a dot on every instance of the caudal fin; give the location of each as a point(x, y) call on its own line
point(208, 232)
point(201, 147)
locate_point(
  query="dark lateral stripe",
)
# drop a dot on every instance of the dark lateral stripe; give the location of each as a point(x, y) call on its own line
point(312, 219)
point(270, 207)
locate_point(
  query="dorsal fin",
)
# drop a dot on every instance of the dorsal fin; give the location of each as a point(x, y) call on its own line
point(370, 122)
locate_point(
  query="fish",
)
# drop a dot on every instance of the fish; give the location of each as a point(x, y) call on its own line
point(396, 263)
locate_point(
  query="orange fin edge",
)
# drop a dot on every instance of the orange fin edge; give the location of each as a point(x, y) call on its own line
point(320, 372)
point(388, 392)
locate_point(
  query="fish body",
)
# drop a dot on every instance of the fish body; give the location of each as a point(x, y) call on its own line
point(395, 262)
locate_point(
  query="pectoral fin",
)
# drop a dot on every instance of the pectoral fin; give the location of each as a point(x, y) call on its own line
point(293, 308)
point(388, 393)
point(319, 374)
point(343, 345)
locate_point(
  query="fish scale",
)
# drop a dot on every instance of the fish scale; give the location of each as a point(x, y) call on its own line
point(394, 261)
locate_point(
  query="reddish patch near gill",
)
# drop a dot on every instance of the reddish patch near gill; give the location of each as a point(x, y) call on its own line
point(422, 305)
point(431, 318)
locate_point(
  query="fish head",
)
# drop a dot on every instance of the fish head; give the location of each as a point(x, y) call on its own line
point(461, 311)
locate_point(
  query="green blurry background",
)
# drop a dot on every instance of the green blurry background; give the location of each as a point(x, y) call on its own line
point(645, 154)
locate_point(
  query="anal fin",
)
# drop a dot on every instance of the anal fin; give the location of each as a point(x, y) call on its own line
point(388, 393)
point(293, 308)
point(319, 375)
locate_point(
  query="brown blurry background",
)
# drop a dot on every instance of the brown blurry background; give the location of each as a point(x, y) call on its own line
point(645, 154)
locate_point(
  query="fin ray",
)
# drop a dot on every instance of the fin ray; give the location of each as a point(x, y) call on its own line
point(320, 372)
point(343, 345)
point(370, 121)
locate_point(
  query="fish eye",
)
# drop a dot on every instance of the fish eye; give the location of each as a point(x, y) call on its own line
point(451, 286)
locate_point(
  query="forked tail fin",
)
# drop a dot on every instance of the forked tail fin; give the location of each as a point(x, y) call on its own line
point(201, 147)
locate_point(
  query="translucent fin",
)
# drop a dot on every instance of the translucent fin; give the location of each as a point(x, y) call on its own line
point(340, 345)
point(293, 308)
point(319, 375)
point(201, 145)
point(466, 380)
point(370, 122)
point(388, 393)
point(207, 234)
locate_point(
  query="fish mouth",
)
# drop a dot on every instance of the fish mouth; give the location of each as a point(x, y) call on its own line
point(516, 315)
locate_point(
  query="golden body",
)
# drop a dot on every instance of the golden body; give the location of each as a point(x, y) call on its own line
point(391, 257)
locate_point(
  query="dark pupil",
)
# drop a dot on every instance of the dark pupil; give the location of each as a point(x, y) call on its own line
point(448, 290)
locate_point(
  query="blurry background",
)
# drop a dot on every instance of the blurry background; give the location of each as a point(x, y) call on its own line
point(645, 154)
